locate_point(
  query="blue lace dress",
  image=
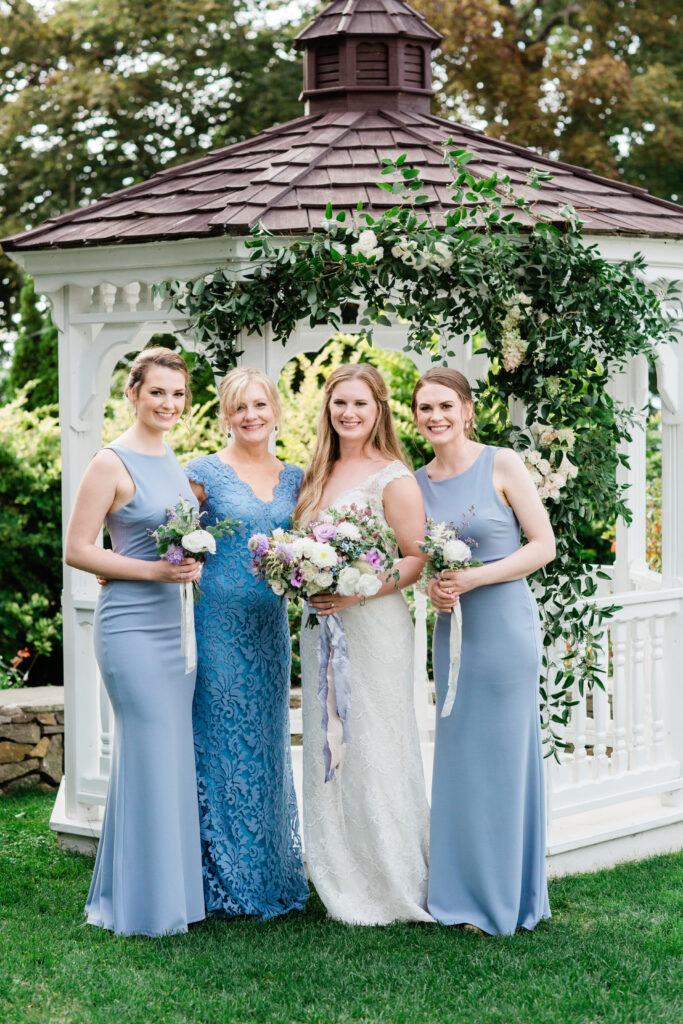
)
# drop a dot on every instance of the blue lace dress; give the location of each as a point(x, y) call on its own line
point(251, 847)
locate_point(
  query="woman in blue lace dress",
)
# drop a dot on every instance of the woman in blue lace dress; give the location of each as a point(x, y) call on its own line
point(251, 848)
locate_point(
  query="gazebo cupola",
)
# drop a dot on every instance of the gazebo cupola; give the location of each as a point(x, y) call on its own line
point(367, 55)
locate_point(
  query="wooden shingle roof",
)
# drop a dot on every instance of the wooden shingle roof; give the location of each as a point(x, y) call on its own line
point(285, 176)
point(368, 17)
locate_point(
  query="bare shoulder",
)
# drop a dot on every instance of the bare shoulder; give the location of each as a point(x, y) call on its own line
point(508, 461)
point(107, 462)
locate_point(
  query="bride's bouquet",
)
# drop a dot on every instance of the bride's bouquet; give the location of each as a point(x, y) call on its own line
point(183, 536)
point(348, 552)
point(445, 550)
point(345, 552)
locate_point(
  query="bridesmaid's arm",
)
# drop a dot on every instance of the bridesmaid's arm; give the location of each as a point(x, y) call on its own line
point(198, 490)
point(510, 476)
point(106, 486)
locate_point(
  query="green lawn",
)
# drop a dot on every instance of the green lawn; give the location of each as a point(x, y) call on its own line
point(613, 951)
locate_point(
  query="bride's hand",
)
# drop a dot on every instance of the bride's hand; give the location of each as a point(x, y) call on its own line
point(328, 604)
point(443, 600)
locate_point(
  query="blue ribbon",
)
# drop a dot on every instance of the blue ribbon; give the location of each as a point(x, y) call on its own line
point(334, 690)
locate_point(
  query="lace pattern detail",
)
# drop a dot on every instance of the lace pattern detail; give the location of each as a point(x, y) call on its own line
point(251, 847)
point(366, 832)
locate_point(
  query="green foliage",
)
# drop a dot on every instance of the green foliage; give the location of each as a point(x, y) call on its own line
point(94, 97)
point(35, 352)
point(558, 322)
point(30, 537)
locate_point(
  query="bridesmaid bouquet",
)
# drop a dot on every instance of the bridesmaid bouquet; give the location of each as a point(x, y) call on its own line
point(445, 550)
point(182, 536)
point(346, 552)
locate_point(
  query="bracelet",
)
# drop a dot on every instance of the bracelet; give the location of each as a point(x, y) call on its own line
point(362, 601)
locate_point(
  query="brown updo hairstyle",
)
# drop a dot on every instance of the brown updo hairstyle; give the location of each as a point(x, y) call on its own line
point(157, 356)
point(457, 382)
point(383, 440)
point(231, 391)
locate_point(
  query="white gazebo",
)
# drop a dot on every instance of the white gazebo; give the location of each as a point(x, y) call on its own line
point(367, 88)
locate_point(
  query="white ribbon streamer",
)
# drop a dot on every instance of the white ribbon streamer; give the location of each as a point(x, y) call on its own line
point(188, 642)
point(455, 646)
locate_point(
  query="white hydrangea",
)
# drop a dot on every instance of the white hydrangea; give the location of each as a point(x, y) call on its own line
point(349, 531)
point(514, 348)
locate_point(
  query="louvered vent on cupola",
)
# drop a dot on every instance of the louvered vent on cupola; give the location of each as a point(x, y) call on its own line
point(372, 64)
point(327, 66)
point(414, 66)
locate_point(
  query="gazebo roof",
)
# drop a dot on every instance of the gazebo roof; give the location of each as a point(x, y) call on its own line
point(285, 176)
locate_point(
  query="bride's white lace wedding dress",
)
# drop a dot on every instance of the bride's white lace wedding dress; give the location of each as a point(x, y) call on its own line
point(366, 832)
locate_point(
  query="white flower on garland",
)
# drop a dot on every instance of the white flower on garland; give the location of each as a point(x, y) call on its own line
point(406, 252)
point(551, 475)
point(514, 348)
point(367, 246)
point(443, 255)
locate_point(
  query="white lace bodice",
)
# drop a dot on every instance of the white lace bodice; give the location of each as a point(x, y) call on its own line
point(370, 491)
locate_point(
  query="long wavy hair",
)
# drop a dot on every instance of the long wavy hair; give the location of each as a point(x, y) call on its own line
point(383, 440)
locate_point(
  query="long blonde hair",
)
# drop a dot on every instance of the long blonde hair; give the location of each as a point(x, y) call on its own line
point(382, 440)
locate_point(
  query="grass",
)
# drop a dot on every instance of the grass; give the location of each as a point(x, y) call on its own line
point(613, 951)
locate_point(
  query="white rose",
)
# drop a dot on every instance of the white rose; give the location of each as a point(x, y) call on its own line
point(456, 551)
point(557, 480)
point(277, 588)
point(554, 493)
point(367, 240)
point(543, 491)
point(349, 531)
point(533, 457)
point(543, 466)
point(348, 581)
point(199, 541)
point(339, 247)
point(309, 571)
point(368, 586)
point(535, 475)
point(571, 470)
point(324, 580)
point(323, 556)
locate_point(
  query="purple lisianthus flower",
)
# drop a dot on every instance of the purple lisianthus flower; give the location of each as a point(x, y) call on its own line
point(258, 544)
point(297, 577)
point(374, 558)
point(324, 532)
point(284, 553)
point(174, 554)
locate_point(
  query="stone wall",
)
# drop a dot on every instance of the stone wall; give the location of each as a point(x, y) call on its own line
point(31, 739)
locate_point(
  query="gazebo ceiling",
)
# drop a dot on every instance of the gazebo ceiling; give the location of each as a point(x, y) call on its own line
point(365, 100)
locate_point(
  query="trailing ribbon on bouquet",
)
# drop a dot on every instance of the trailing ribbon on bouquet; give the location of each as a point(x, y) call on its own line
point(188, 642)
point(454, 648)
point(334, 691)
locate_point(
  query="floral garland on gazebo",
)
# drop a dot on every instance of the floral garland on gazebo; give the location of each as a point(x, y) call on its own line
point(556, 320)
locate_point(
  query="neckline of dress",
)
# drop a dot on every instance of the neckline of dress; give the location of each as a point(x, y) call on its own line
point(361, 484)
point(134, 451)
point(456, 476)
point(226, 465)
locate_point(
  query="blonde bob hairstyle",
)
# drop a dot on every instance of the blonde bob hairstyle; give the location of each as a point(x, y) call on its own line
point(383, 440)
point(156, 356)
point(231, 392)
point(457, 382)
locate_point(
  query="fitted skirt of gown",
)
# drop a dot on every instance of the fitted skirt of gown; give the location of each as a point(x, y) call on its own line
point(366, 831)
point(148, 876)
point(487, 846)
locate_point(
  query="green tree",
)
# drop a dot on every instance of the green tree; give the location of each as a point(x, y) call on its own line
point(94, 97)
point(35, 352)
point(593, 82)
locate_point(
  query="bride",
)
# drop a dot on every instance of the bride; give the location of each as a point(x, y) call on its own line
point(366, 831)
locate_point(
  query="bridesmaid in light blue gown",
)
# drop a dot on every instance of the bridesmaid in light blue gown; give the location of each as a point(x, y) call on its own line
point(487, 842)
point(251, 849)
point(147, 878)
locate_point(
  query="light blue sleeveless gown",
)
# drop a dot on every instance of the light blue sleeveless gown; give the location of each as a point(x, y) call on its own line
point(251, 846)
point(148, 873)
point(487, 843)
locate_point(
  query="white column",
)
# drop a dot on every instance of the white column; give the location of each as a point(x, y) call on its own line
point(631, 389)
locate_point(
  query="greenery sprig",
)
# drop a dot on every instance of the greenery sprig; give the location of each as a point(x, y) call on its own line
point(555, 318)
